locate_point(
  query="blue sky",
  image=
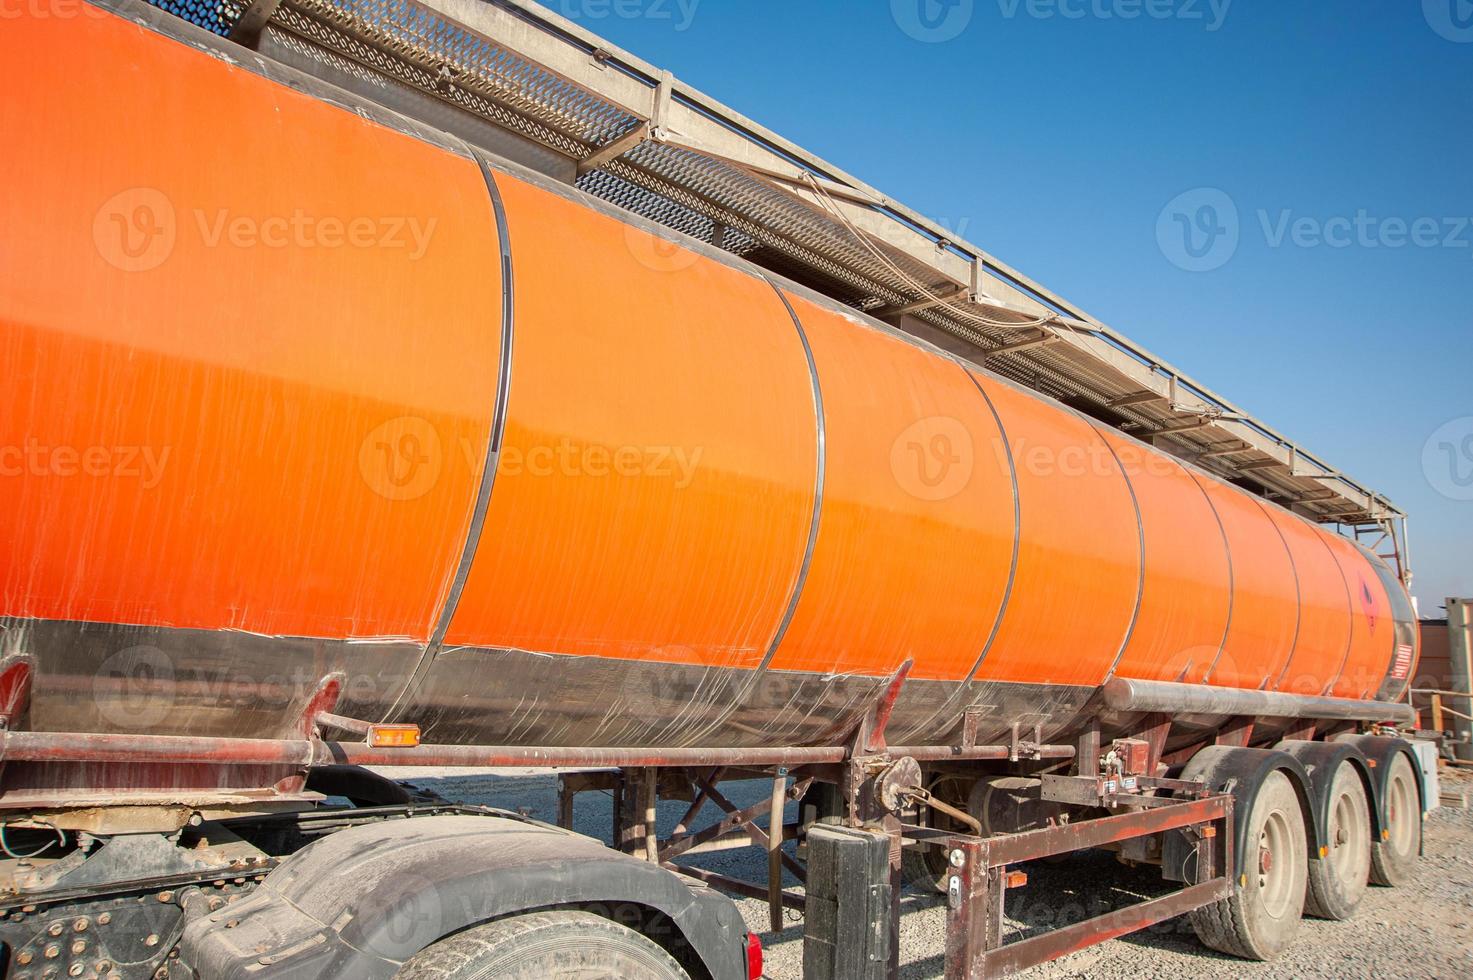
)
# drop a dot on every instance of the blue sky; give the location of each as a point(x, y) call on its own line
point(1336, 137)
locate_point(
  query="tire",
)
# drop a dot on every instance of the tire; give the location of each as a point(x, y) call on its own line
point(1262, 915)
point(1338, 881)
point(925, 868)
point(1394, 857)
point(544, 945)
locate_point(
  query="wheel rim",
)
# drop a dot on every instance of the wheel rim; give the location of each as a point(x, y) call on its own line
point(1275, 865)
point(1400, 812)
point(1347, 836)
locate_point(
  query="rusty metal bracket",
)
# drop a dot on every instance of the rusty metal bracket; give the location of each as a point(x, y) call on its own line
point(980, 879)
point(1020, 748)
point(869, 735)
point(735, 819)
point(923, 796)
point(322, 702)
point(16, 672)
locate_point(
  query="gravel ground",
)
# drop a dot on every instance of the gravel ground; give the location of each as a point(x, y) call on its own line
point(1423, 929)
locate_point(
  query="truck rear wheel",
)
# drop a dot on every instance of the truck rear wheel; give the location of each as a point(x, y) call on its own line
point(543, 945)
point(1263, 913)
point(1338, 880)
point(1395, 855)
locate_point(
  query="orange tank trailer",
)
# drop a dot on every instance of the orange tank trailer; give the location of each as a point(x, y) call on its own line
point(290, 392)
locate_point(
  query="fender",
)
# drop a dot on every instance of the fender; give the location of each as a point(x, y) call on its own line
point(1320, 761)
point(356, 904)
point(1238, 772)
point(1380, 751)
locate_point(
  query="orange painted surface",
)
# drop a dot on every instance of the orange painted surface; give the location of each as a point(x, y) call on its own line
point(1324, 610)
point(1079, 562)
point(249, 377)
point(916, 481)
point(204, 337)
point(1187, 595)
point(1372, 644)
point(656, 487)
point(1265, 614)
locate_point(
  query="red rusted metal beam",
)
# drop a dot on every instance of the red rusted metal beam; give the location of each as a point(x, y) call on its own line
point(875, 741)
point(179, 749)
point(791, 900)
point(974, 947)
point(97, 747)
point(1060, 942)
point(519, 755)
point(1035, 844)
point(25, 746)
point(977, 753)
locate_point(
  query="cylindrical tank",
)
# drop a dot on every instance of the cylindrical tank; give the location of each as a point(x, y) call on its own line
point(291, 391)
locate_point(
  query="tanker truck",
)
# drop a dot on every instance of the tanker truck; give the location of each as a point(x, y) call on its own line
point(340, 437)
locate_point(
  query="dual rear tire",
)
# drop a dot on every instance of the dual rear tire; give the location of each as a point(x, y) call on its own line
point(1262, 915)
point(1280, 880)
point(1338, 880)
point(1394, 856)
